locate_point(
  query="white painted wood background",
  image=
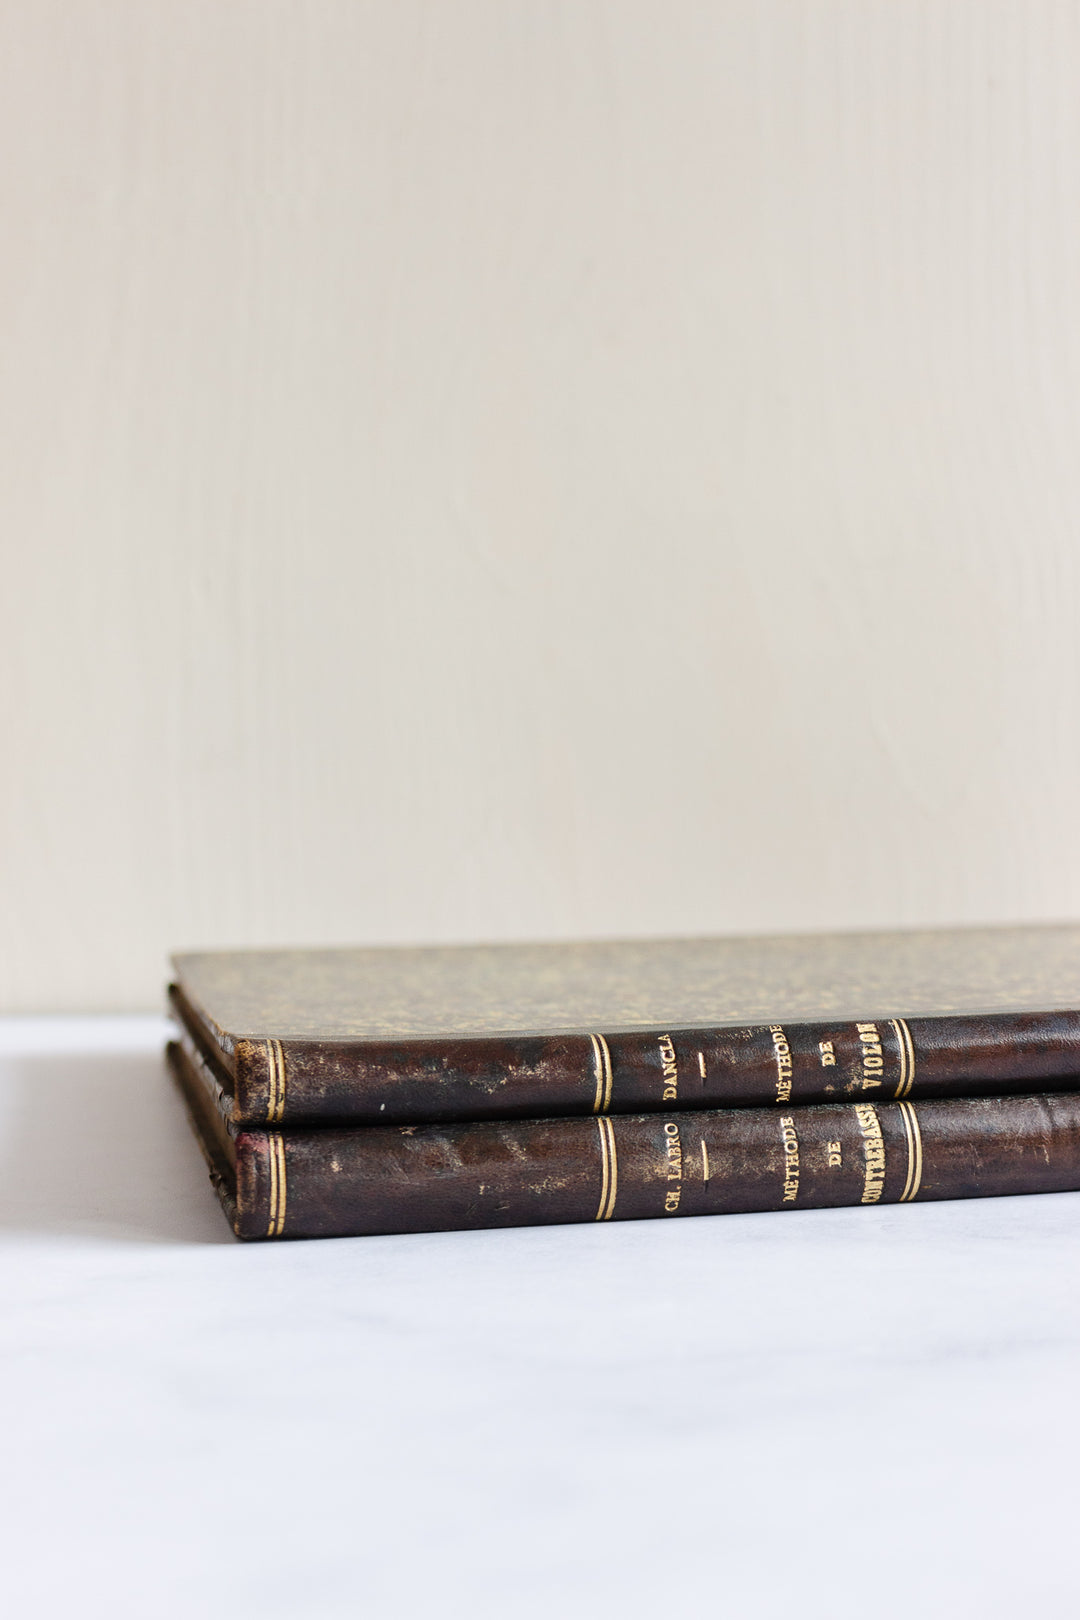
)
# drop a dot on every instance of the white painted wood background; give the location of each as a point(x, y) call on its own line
point(523, 469)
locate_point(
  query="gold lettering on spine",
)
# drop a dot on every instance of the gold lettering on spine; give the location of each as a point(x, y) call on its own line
point(907, 1057)
point(674, 1153)
point(670, 1068)
point(873, 1058)
point(914, 1152)
point(791, 1158)
point(609, 1169)
point(275, 1070)
point(873, 1153)
point(602, 1070)
point(673, 1149)
point(782, 1053)
point(276, 1161)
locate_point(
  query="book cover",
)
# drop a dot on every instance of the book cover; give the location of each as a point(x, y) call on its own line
point(379, 1036)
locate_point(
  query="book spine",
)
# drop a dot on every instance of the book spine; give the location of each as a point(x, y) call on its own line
point(426, 1178)
point(781, 1065)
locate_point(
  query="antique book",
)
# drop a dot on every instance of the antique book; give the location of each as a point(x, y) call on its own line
point(400, 1035)
point(365, 1179)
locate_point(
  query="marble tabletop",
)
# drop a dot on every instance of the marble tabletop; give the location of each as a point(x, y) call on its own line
point(837, 1413)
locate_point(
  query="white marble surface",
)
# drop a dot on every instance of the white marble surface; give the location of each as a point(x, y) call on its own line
point(867, 1413)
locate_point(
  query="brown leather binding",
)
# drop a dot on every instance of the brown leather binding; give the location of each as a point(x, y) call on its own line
point(491, 1077)
point(418, 1178)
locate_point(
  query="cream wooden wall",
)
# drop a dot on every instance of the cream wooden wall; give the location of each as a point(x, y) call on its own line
point(499, 468)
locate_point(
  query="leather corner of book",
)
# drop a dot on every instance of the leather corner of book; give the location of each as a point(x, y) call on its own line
point(249, 1214)
point(259, 1081)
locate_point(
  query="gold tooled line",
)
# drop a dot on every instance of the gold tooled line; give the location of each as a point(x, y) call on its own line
point(910, 1153)
point(271, 1082)
point(907, 1058)
point(279, 1050)
point(275, 1103)
point(701, 1064)
point(914, 1137)
point(609, 1169)
point(276, 1155)
point(614, 1157)
point(704, 1161)
point(902, 1078)
point(602, 1065)
point(605, 1168)
point(281, 1186)
point(271, 1162)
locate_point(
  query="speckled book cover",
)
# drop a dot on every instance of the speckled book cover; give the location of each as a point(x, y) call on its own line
point(399, 1035)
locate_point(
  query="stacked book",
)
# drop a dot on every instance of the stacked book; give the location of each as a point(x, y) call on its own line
point(341, 1092)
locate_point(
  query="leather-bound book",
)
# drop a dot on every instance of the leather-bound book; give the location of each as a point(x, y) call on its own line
point(350, 1181)
point(503, 1032)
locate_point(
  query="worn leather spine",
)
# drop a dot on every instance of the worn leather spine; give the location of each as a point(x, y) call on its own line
point(422, 1178)
point(287, 1082)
